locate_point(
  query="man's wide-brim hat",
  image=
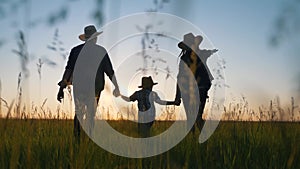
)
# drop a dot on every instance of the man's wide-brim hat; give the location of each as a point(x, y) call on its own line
point(89, 31)
point(188, 40)
point(147, 82)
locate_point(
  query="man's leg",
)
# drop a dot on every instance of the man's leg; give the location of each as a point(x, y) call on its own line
point(79, 111)
point(90, 115)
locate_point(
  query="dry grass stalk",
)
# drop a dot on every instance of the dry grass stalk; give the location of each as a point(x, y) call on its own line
point(0, 99)
point(10, 109)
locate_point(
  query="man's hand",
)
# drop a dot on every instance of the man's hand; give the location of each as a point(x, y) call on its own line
point(60, 94)
point(116, 92)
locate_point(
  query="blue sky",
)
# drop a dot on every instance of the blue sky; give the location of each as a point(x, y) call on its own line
point(240, 30)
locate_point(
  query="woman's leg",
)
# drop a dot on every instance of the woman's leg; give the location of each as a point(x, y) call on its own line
point(203, 96)
point(76, 129)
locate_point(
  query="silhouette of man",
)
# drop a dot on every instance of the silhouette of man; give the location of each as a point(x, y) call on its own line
point(195, 58)
point(104, 67)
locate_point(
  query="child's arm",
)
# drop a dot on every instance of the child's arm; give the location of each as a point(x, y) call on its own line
point(125, 98)
point(171, 103)
point(164, 102)
point(133, 97)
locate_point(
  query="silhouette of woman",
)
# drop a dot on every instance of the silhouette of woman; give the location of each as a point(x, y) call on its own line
point(195, 59)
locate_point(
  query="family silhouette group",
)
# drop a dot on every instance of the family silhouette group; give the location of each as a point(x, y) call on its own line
point(194, 80)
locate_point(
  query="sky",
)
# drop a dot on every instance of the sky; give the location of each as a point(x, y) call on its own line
point(239, 30)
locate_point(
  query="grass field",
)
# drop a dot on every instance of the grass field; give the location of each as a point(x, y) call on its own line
point(237, 145)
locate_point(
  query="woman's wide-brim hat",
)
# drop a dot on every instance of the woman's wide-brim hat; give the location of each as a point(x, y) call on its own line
point(147, 82)
point(188, 40)
point(89, 32)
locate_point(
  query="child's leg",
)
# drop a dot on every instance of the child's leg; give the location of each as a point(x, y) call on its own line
point(147, 128)
point(144, 129)
point(76, 129)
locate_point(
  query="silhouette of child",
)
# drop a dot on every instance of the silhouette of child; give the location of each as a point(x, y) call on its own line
point(146, 109)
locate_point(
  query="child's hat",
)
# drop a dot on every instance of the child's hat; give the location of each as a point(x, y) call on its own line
point(147, 82)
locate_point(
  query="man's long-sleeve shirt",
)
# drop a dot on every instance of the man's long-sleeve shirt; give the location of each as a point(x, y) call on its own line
point(104, 67)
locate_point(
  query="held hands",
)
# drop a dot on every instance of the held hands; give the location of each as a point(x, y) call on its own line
point(60, 94)
point(177, 102)
point(116, 92)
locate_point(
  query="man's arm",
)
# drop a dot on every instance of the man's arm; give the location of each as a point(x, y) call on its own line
point(108, 69)
point(67, 76)
point(125, 98)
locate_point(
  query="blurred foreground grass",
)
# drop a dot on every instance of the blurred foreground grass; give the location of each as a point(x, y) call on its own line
point(50, 144)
